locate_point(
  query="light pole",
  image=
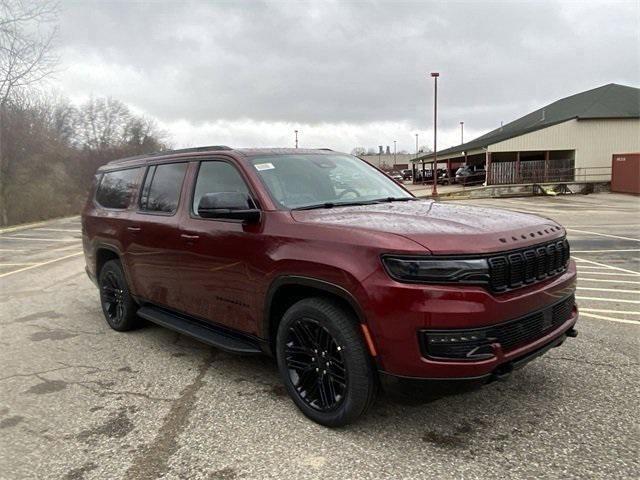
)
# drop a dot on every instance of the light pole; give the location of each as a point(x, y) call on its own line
point(434, 192)
point(461, 133)
point(416, 145)
point(394, 153)
point(296, 132)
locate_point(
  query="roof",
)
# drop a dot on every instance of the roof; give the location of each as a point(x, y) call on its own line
point(185, 152)
point(608, 101)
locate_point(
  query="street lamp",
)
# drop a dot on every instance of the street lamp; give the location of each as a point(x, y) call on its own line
point(394, 153)
point(461, 133)
point(434, 192)
point(296, 132)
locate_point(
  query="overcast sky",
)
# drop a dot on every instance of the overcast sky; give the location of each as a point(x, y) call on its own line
point(343, 73)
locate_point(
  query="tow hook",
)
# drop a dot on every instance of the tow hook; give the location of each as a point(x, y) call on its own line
point(503, 372)
point(573, 333)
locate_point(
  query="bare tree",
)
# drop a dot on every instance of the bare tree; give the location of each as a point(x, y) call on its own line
point(358, 151)
point(26, 57)
point(26, 53)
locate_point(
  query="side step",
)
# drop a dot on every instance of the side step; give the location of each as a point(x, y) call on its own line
point(206, 333)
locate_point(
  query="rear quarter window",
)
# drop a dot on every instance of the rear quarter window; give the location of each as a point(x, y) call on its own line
point(116, 188)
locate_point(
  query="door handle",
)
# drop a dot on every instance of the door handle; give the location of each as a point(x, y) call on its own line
point(134, 229)
point(189, 237)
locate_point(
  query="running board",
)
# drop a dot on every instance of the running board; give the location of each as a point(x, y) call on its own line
point(206, 333)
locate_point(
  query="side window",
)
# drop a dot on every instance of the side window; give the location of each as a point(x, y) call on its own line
point(162, 185)
point(116, 188)
point(215, 177)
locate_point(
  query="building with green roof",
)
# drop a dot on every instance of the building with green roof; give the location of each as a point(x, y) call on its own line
point(571, 139)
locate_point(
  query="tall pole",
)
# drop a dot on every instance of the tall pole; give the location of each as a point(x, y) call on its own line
point(395, 149)
point(296, 131)
point(461, 133)
point(434, 191)
point(416, 145)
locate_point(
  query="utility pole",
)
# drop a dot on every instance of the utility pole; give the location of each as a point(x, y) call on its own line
point(296, 132)
point(461, 133)
point(434, 191)
point(416, 145)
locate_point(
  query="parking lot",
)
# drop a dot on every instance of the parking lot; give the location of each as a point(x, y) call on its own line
point(78, 400)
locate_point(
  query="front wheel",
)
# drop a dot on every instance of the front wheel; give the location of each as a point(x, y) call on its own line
point(324, 363)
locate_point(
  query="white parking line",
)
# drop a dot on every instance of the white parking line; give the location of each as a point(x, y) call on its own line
point(11, 250)
point(605, 280)
point(602, 310)
point(604, 265)
point(609, 290)
point(599, 299)
point(72, 230)
point(15, 264)
point(609, 274)
point(610, 319)
point(606, 251)
point(603, 235)
point(40, 264)
point(32, 239)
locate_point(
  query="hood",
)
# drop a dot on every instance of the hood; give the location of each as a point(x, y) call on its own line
point(442, 228)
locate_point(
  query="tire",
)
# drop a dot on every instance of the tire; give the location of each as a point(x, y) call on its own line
point(334, 388)
point(118, 306)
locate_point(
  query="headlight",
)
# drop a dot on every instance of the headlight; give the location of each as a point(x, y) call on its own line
point(434, 270)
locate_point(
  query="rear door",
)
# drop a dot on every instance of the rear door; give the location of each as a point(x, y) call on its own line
point(153, 237)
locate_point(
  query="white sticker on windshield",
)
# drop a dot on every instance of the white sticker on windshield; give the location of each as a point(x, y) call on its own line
point(264, 166)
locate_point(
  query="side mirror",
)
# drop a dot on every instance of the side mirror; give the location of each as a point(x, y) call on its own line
point(228, 205)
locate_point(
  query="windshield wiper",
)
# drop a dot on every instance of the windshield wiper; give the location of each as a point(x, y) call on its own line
point(334, 204)
point(395, 199)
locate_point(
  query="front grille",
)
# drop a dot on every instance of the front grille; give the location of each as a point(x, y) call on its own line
point(523, 267)
point(457, 344)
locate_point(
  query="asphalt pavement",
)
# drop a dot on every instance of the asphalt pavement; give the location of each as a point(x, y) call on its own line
point(78, 400)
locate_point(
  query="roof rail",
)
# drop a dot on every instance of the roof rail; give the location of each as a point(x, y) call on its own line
point(172, 152)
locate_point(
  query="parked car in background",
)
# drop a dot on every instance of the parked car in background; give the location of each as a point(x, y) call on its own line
point(468, 175)
point(396, 177)
point(322, 261)
point(407, 174)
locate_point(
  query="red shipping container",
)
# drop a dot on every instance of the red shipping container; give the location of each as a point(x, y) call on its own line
point(625, 173)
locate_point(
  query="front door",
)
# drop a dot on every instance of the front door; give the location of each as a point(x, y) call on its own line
point(219, 265)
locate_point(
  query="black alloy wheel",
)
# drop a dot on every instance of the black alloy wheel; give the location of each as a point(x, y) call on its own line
point(324, 363)
point(118, 306)
point(315, 364)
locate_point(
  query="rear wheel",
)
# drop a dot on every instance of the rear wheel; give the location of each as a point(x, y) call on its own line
point(324, 363)
point(118, 306)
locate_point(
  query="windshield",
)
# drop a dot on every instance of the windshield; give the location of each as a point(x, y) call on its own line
point(307, 180)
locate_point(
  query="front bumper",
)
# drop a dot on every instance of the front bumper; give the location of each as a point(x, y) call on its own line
point(397, 331)
point(399, 383)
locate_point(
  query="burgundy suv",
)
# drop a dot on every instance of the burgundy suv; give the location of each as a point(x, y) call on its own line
point(324, 262)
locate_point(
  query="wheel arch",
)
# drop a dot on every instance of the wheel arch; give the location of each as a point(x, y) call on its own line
point(287, 290)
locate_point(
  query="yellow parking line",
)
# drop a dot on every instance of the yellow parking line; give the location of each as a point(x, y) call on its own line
point(604, 265)
point(603, 235)
point(40, 264)
point(610, 319)
point(599, 299)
